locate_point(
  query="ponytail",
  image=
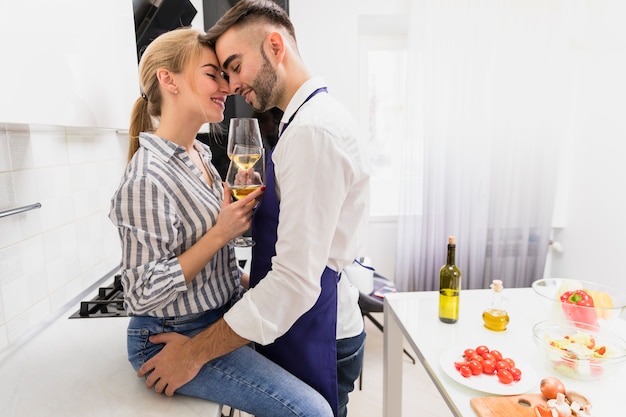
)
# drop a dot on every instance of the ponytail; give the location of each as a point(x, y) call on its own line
point(140, 121)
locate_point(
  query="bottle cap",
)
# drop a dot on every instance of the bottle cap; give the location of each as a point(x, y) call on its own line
point(496, 285)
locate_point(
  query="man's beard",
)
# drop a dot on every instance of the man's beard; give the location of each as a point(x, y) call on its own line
point(264, 86)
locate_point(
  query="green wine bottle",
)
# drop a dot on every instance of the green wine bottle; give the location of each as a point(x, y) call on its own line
point(449, 287)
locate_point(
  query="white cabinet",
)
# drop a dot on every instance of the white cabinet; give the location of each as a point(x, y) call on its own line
point(67, 62)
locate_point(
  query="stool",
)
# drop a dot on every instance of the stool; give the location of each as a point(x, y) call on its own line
point(369, 303)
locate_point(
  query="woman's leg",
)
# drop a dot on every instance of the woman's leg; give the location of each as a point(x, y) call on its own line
point(243, 379)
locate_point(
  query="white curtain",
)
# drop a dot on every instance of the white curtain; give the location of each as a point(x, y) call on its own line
point(492, 87)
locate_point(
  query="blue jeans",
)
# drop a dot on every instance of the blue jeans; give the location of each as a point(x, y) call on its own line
point(242, 379)
point(349, 363)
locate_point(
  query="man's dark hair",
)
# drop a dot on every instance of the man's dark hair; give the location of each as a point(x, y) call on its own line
point(246, 11)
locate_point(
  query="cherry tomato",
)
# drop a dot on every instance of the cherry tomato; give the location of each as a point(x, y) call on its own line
point(465, 371)
point(505, 376)
point(497, 356)
point(482, 360)
point(510, 361)
point(502, 365)
point(517, 374)
point(482, 349)
point(468, 354)
point(476, 367)
point(489, 367)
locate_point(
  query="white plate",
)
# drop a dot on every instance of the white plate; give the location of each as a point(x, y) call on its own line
point(488, 383)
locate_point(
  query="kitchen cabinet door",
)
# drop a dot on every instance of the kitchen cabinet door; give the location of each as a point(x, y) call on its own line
point(68, 62)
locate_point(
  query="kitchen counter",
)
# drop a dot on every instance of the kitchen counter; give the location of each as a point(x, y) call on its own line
point(78, 367)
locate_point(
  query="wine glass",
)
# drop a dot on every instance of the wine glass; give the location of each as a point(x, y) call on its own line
point(246, 173)
point(243, 131)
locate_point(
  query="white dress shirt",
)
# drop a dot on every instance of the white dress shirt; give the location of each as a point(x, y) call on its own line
point(323, 187)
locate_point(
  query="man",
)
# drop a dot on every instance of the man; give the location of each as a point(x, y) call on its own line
point(309, 224)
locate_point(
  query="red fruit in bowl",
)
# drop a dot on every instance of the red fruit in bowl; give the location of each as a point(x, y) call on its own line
point(578, 307)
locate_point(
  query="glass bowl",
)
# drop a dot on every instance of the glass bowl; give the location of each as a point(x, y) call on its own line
point(609, 303)
point(579, 351)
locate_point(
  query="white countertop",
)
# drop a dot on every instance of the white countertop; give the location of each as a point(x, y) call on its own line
point(79, 367)
point(413, 317)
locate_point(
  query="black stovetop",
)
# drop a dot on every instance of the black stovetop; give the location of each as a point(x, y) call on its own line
point(108, 303)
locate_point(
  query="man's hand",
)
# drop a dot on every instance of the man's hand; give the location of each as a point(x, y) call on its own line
point(182, 357)
point(173, 366)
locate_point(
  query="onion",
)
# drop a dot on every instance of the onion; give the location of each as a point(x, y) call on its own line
point(551, 386)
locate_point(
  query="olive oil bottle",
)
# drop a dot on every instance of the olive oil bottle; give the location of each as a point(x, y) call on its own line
point(449, 286)
point(496, 317)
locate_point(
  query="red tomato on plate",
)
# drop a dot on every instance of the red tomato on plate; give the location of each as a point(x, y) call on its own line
point(482, 349)
point(502, 365)
point(505, 376)
point(497, 356)
point(476, 367)
point(465, 371)
point(510, 361)
point(517, 374)
point(468, 354)
point(489, 367)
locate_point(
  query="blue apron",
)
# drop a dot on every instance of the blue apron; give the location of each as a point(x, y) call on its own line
point(309, 349)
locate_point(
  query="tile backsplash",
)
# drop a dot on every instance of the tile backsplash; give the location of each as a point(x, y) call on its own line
point(50, 255)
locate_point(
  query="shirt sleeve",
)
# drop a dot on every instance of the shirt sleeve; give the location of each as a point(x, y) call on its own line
point(146, 222)
point(314, 176)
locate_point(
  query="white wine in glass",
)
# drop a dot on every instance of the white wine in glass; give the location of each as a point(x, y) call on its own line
point(246, 173)
point(246, 156)
point(243, 131)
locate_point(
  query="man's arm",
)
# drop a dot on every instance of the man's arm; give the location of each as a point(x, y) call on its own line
point(182, 357)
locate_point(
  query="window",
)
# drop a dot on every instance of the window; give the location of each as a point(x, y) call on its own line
point(384, 116)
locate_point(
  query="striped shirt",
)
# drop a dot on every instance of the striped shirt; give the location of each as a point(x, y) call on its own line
point(161, 208)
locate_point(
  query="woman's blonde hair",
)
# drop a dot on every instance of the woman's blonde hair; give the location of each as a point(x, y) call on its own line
point(173, 51)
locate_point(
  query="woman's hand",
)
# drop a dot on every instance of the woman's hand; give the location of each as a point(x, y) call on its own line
point(236, 217)
point(232, 221)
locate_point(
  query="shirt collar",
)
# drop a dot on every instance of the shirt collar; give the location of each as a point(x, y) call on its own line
point(303, 92)
point(165, 149)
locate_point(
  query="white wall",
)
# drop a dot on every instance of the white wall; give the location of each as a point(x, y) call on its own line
point(198, 20)
point(328, 38)
point(594, 215)
point(50, 255)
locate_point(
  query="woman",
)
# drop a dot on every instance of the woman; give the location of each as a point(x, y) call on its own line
point(174, 220)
